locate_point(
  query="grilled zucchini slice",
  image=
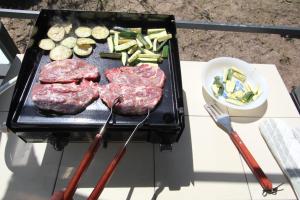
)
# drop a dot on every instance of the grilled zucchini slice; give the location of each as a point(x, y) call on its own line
point(68, 28)
point(83, 50)
point(56, 33)
point(60, 53)
point(84, 41)
point(69, 42)
point(46, 44)
point(100, 32)
point(83, 31)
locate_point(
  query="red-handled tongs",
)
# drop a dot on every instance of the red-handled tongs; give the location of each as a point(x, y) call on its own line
point(223, 121)
point(113, 164)
point(87, 158)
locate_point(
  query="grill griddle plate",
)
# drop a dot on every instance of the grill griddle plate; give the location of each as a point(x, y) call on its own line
point(166, 121)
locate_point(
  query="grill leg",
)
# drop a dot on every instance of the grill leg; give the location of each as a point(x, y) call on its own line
point(165, 147)
point(59, 142)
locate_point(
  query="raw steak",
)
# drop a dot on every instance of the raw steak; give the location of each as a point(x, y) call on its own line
point(136, 99)
point(140, 75)
point(68, 71)
point(67, 98)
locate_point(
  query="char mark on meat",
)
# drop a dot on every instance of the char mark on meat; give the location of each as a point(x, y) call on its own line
point(140, 75)
point(136, 100)
point(68, 71)
point(67, 98)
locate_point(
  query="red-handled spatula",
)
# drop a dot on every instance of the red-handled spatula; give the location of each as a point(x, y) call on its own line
point(223, 121)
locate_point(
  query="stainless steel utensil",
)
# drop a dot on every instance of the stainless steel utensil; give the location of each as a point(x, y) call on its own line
point(223, 121)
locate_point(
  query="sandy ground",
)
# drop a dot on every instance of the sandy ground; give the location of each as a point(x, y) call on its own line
point(198, 45)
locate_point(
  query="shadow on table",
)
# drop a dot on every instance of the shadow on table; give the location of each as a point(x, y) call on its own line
point(28, 172)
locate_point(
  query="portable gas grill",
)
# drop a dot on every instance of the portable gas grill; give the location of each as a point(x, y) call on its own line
point(166, 122)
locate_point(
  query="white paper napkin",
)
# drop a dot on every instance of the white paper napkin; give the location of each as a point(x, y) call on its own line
point(284, 143)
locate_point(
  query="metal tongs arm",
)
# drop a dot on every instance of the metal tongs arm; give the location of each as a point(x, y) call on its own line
point(113, 164)
point(88, 157)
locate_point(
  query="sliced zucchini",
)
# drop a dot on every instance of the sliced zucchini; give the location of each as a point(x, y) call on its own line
point(155, 45)
point(110, 55)
point(165, 51)
point(161, 45)
point(112, 32)
point(83, 50)
point(247, 97)
point(60, 52)
point(136, 30)
point(148, 51)
point(132, 49)
point(83, 32)
point(68, 28)
point(238, 70)
point(46, 44)
point(139, 43)
point(124, 58)
point(56, 33)
point(124, 46)
point(122, 41)
point(163, 38)
point(229, 75)
point(84, 41)
point(134, 56)
point(155, 30)
point(225, 74)
point(69, 42)
point(156, 60)
point(158, 35)
point(110, 44)
point(230, 85)
point(100, 32)
point(149, 43)
point(141, 39)
point(116, 39)
point(233, 101)
point(239, 76)
point(128, 34)
point(215, 89)
point(144, 55)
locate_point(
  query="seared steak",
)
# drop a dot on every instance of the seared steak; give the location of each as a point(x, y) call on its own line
point(136, 99)
point(68, 71)
point(141, 75)
point(67, 98)
point(140, 87)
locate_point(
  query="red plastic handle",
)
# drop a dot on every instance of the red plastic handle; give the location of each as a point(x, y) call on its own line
point(253, 165)
point(107, 174)
point(86, 160)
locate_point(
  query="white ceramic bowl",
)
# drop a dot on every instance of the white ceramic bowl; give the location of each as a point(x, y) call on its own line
point(216, 66)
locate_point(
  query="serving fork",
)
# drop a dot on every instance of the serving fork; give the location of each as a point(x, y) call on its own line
point(223, 120)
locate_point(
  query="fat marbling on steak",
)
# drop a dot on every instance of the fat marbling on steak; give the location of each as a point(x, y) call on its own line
point(141, 88)
point(140, 75)
point(68, 98)
point(136, 99)
point(68, 71)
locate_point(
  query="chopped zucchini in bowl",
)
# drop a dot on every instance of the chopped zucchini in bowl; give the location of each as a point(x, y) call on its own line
point(221, 84)
point(46, 44)
point(238, 90)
